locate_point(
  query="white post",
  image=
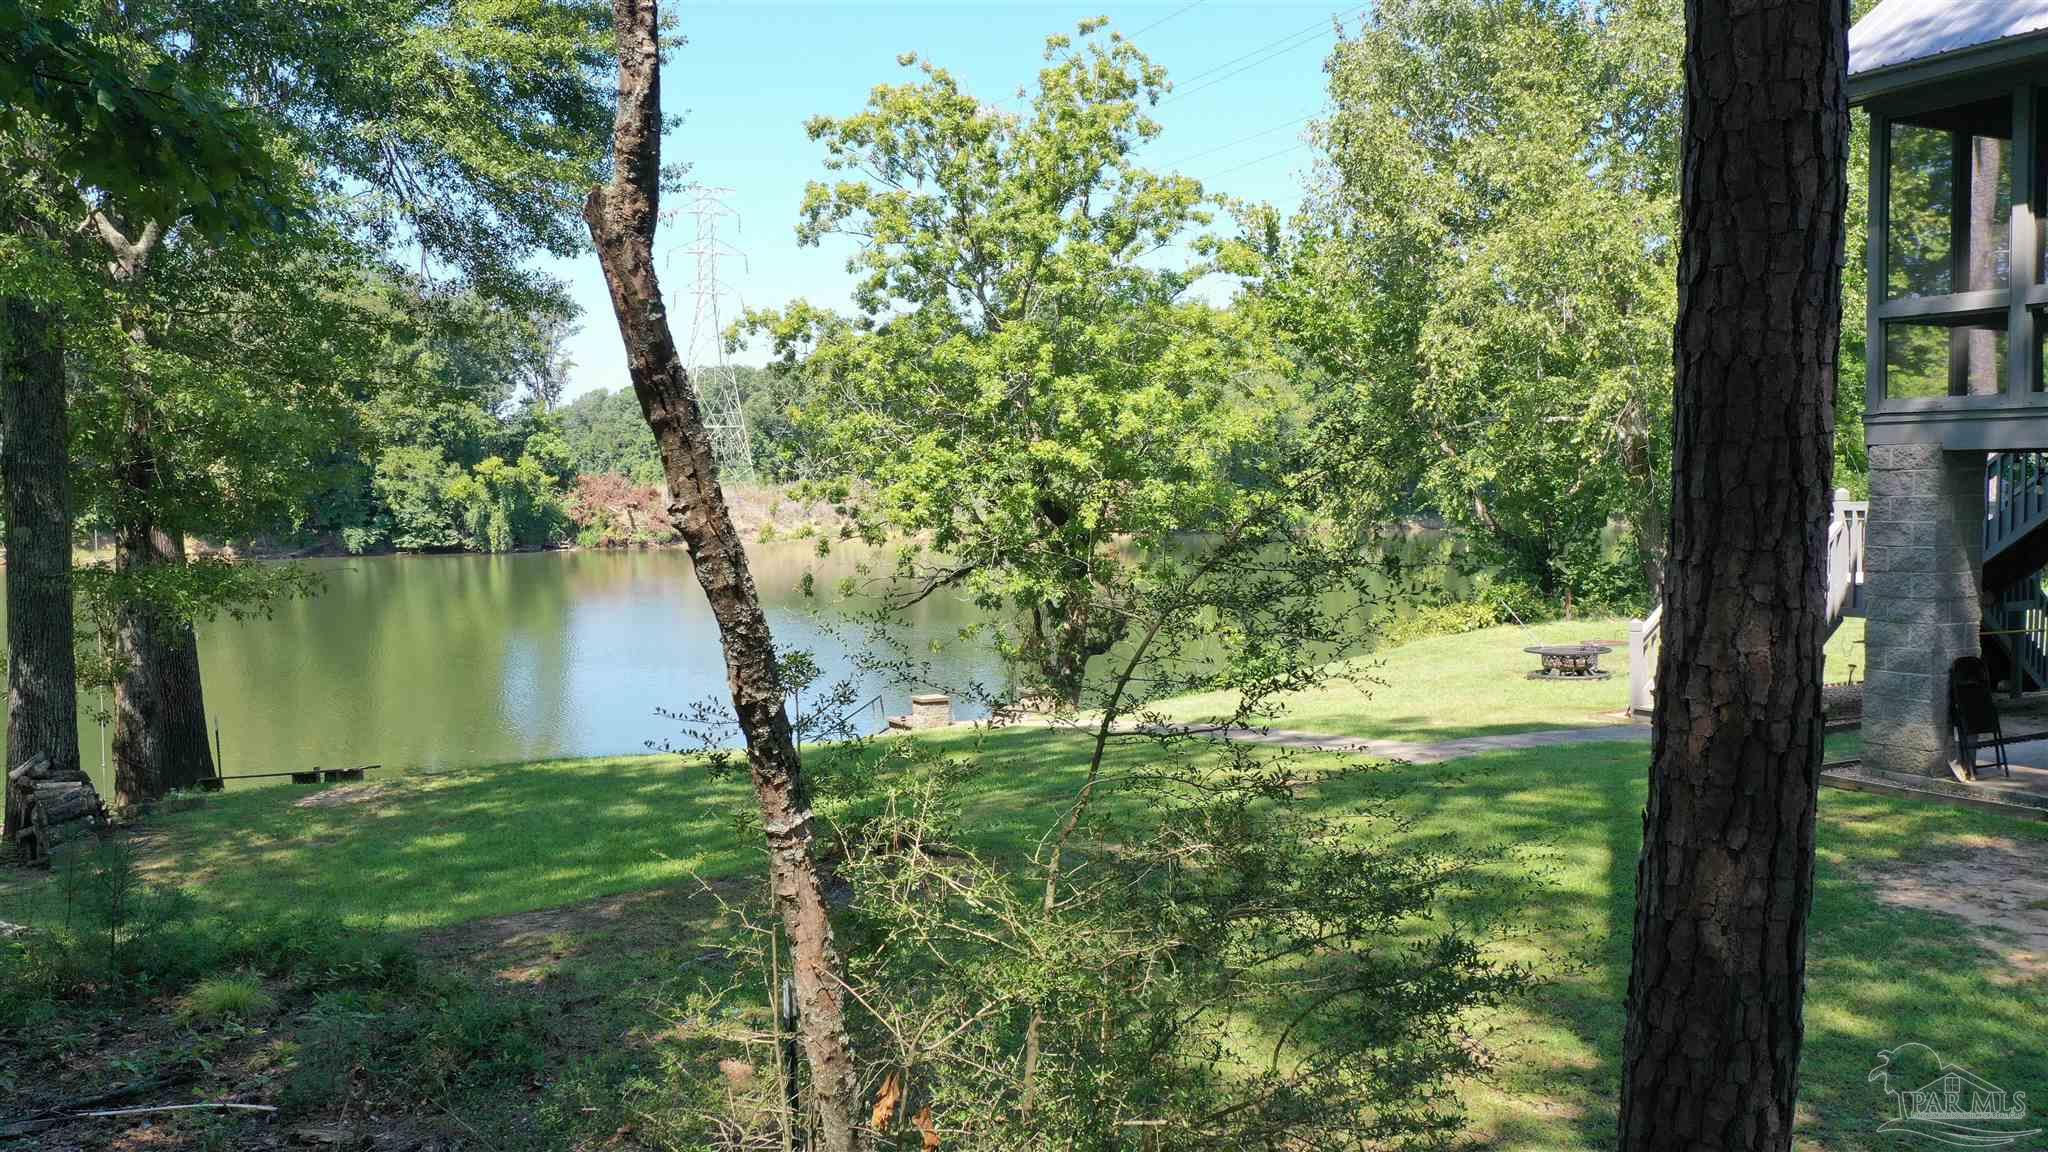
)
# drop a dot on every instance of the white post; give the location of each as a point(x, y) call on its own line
point(1640, 673)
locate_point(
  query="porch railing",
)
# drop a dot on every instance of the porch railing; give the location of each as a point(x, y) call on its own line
point(2015, 497)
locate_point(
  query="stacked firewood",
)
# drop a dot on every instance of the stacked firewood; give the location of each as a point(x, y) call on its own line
point(54, 805)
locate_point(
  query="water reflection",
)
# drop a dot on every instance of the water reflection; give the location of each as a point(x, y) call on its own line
point(437, 661)
point(442, 661)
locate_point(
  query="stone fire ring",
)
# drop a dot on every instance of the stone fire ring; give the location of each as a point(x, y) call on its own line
point(1569, 661)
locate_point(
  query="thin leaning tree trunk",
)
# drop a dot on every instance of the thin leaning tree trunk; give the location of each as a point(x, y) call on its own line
point(1725, 882)
point(622, 218)
point(42, 672)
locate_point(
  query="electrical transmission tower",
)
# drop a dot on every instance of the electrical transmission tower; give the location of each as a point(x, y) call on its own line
point(718, 392)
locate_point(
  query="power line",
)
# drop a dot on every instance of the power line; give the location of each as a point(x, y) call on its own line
point(1239, 140)
point(1260, 160)
point(1265, 53)
point(1163, 19)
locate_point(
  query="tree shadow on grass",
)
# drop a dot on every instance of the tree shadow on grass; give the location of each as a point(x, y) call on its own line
point(1876, 976)
point(441, 849)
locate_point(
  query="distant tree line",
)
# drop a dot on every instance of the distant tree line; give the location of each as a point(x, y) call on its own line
point(467, 446)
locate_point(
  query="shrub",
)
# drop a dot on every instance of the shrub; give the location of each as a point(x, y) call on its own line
point(1492, 602)
point(1218, 968)
point(217, 998)
point(610, 510)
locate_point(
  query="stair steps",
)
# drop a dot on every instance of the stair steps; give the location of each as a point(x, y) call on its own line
point(2015, 556)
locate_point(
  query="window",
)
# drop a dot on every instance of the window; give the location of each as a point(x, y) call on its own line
point(1941, 358)
point(1951, 201)
point(1949, 286)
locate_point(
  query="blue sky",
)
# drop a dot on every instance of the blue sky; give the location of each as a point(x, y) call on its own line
point(752, 73)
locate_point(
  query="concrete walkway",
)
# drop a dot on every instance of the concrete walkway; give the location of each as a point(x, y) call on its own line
point(1437, 753)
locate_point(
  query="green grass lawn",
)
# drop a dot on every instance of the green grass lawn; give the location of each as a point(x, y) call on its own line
point(429, 852)
point(1476, 684)
point(1451, 687)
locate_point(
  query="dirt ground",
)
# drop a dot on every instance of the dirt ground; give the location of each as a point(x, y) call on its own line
point(145, 1055)
point(1994, 886)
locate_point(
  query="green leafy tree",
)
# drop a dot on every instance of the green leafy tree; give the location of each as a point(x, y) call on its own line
point(465, 131)
point(86, 120)
point(606, 435)
point(1026, 385)
point(505, 506)
point(1485, 276)
point(413, 484)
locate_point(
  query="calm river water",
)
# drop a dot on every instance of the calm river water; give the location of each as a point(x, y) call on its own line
point(436, 661)
point(442, 661)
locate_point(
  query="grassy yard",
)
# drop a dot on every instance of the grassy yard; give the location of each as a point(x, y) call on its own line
point(1476, 684)
point(576, 884)
point(433, 854)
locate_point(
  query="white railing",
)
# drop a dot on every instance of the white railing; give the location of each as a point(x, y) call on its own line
point(1846, 531)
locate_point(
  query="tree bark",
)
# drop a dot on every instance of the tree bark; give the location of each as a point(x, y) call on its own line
point(1725, 881)
point(160, 738)
point(622, 218)
point(42, 672)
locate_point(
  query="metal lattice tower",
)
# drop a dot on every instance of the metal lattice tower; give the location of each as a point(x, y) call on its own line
point(718, 393)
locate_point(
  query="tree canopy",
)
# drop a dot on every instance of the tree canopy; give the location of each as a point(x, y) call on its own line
point(1026, 383)
point(1483, 277)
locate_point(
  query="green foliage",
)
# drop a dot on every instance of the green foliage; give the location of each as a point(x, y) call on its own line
point(413, 486)
point(1485, 275)
point(606, 434)
point(508, 505)
point(121, 114)
point(238, 996)
point(1024, 386)
point(429, 503)
point(1222, 967)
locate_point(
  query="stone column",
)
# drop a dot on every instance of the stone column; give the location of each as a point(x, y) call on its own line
point(1922, 576)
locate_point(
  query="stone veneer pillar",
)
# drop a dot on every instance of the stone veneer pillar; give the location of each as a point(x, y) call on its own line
point(1922, 575)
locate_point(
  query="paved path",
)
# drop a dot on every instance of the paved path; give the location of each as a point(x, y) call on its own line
point(1439, 752)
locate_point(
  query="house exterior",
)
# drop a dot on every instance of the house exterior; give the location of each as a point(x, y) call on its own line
point(1957, 418)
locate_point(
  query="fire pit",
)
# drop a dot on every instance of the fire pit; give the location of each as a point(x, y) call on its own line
point(1569, 661)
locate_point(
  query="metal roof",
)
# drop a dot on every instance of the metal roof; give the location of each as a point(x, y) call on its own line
point(1900, 32)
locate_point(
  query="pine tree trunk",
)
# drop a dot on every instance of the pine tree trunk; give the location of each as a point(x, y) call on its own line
point(1725, 881)
point(622, 218)
point(42, 673)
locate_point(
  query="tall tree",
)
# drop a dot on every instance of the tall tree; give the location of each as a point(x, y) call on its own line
point(42, 678)
point(1028, 384)
point(77, 114)
point(1484, 276)
point(463, 129)
point(622, 216)
point(1725, 882)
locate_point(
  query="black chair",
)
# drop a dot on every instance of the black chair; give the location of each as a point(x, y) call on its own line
point(1974, 715)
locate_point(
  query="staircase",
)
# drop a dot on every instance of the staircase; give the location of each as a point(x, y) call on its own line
point(2015, 567)
point(1846, 529)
